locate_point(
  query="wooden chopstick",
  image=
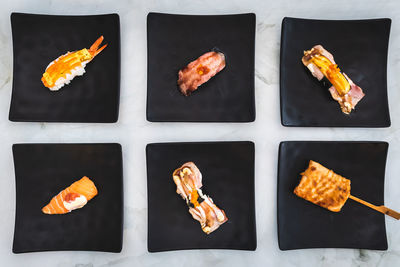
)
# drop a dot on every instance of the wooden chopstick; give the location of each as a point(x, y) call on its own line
point(382, 209)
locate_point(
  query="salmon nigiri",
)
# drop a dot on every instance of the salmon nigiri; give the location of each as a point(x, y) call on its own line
point(73, 197)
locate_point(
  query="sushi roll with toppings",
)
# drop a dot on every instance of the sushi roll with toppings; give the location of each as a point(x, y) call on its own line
point(323, 67)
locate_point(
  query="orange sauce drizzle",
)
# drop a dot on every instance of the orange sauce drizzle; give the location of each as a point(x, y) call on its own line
point(194, 196)
point(202, 70)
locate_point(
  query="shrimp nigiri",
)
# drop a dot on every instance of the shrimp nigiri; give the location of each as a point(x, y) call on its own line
point(73, 197)
point(62, 70)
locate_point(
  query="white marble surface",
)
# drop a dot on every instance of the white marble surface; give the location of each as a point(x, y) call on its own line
point(134, 132)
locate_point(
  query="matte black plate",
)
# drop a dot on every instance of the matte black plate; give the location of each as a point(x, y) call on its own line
point(360, 49)
point(173, 41)
point(302, 224)
point(228, 178)
point(40, 39)
point(42, 171)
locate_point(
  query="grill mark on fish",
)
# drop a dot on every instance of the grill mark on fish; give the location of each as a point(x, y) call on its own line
point(323, 187)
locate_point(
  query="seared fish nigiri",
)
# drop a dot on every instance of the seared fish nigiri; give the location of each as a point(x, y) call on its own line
point(202, 208)
point(62, 70)
point(323, 187)
point(200, 71)
point(323, 67)
point(73, 197)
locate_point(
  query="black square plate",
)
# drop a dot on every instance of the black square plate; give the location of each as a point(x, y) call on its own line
point(173, 41)
point(228, 178)
point(40, 39)
point(42, 171)
point(360, 48)
point(302, 224)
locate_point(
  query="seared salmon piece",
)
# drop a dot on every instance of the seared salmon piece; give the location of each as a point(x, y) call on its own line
point(73, 197)
point(323, 187)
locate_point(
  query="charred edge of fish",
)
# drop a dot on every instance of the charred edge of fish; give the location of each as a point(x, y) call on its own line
point(185, 93)
point(217, 50)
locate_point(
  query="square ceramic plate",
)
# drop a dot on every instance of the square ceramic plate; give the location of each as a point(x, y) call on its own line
point(173, 41)
point(360, 48)
point(228, 178)
point(40, 39)
point(42, 171)
point(302, 224)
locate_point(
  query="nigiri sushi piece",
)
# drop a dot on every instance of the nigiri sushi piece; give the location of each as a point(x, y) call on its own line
point(323, 187)
point(66, 67)
point(323, 67)
point(73, 197)
point(200, 71)
point(188, 181)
